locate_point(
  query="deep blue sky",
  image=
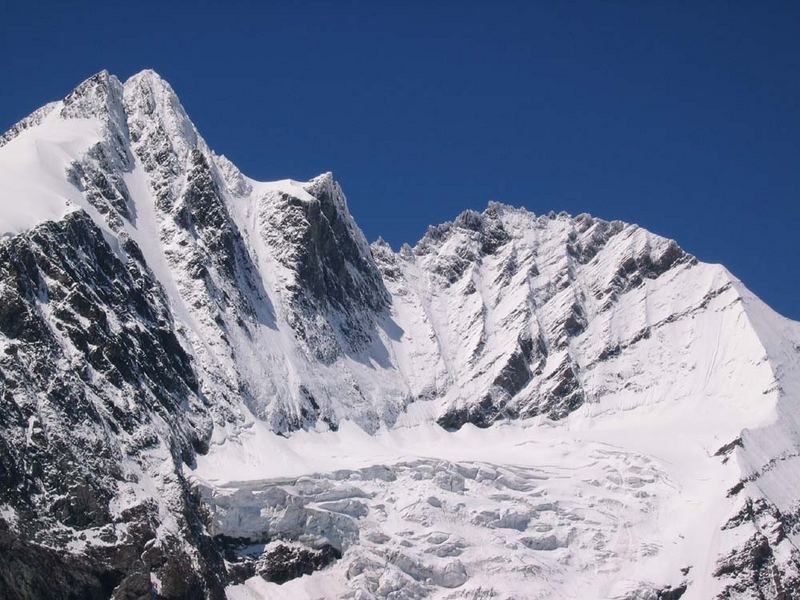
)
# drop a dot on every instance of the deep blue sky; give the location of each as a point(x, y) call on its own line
point(683, 117)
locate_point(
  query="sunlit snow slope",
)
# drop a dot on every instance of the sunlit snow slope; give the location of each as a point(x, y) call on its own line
point(213, 386)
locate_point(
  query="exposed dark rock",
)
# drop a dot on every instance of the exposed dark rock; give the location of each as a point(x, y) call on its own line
point(481, 414)
point(753, 567)
point(516, 373)
point(601, 233)
point(102, 186)
point(512, 377)
point(60, 450)
point(32, 572)
point(726, 450)
point(672, 593)
point(284, 562)
point(575, 322)
point(337, 288)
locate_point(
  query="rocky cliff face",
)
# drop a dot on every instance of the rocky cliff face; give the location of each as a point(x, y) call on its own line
point(158, 309)
point(100, 408)
point(513, 298)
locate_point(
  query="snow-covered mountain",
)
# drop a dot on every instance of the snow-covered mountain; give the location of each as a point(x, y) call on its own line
point(212, 385)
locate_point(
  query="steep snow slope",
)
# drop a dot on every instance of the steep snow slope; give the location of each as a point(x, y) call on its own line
point(208, 380)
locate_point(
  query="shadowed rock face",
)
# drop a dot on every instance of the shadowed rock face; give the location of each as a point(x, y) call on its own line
point(335, 266)
point(334, 289)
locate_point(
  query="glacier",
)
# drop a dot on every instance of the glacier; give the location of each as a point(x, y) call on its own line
point(212, 386)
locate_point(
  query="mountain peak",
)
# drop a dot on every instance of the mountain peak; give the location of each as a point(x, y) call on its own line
point(154, 110)
point(149, 83)
point(147, 73)
point(150, 79)
point(320, 184)
point(97, 96)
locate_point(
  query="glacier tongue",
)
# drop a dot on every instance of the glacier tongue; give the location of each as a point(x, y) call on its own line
point(208, 380)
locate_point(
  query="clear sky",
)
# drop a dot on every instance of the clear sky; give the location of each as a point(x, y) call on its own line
point(683, 117)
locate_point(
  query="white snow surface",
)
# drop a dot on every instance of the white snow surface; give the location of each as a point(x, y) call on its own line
point(612, 500)
point(616, 498)
point(32, 172)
